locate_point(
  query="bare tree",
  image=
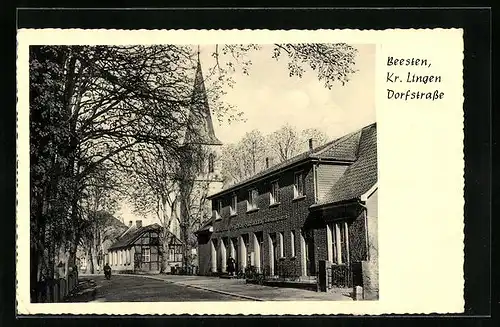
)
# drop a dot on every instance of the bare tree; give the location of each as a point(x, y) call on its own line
point(318, 137)
point(89, 106)
point(245, 158)
point(102, 105)
point(248, 156)
point(100, 199)
point(332, 62)
point(154, 189)
point(194, 180)
point(285, 142)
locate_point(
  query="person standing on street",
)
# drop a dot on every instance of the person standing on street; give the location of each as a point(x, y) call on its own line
point(231, 265)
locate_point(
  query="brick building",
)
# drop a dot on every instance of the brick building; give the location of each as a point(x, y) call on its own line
point(319, 205)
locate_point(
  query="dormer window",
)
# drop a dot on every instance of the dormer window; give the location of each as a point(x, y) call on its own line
point(298, 185)
point(234, 205)
point(252, 199)
point(274, 193)
point(217, 209)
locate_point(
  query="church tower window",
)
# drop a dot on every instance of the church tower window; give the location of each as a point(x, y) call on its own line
point(211, 159)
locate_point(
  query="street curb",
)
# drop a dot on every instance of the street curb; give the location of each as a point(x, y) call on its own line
point(197, 287)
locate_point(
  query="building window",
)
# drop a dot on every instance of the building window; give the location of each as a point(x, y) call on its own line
point(340, 242)
point(178, 253)
point(252, 199)
point(211, 159)
point(154, 239)
point(218, 209)
point(298, 185)
point(234, 204)
point(280, 245)
point(275, 192)
point(146, 255)
point(171, 252)
point(292, 243)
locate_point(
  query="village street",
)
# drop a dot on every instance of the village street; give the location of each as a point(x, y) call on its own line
point(165, 288)
point(140, 289)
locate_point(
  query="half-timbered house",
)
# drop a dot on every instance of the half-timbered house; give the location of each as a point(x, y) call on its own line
point(138, 250)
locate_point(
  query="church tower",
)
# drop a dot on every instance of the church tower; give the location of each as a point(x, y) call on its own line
point(193, 204)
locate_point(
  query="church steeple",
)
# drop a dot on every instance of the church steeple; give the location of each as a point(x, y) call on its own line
point(200, 116)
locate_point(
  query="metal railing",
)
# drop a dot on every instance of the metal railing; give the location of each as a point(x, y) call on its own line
point(341, 275)
point(345, 275)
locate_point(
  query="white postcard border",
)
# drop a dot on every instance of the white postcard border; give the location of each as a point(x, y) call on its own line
point(420, 158)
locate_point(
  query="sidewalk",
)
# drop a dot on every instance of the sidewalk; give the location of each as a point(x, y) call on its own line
point(84, 292)
point(238, 287)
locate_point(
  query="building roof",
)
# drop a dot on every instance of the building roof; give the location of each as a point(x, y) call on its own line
point(343, 149)
point(202, 128)
point(130, 237)
point(361, 175)
point(206, 227)
point(360, 147)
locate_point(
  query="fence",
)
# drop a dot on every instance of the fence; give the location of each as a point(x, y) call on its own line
point(187, 271)
point(56, 290)
point(341, 275)
point(287, 272)
point(283, 272)
point(345, 275)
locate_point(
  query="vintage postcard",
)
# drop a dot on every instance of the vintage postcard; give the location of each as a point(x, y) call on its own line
point(240, 172)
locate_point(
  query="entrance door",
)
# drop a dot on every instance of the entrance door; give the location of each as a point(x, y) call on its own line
point(310, 264)
point(236, 253)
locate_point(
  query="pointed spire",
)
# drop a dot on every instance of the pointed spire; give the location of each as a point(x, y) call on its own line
point(200, 115)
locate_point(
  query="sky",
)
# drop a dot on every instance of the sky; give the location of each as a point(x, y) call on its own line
point(269, 98)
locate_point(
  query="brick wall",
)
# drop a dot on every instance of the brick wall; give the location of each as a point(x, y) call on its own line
point(370, 267)
point(204, 252)
point(357, 239)
point(289, 214)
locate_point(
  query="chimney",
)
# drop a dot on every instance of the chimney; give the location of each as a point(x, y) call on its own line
point(138, 223)
point(130, 223)
point(310, 144)
point(267, 162)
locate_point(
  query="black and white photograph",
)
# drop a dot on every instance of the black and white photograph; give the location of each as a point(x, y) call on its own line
point(239, 172)
point(224, 172)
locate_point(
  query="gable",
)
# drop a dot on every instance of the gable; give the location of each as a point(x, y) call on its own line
point(361, 175)
point(372, 204)
point(143, 236)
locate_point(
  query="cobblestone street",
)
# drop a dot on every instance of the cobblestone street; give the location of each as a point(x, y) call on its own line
point(149, 288)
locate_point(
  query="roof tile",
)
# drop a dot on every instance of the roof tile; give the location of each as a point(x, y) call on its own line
point(344, 148)
point(133, 235)
point(361, 175)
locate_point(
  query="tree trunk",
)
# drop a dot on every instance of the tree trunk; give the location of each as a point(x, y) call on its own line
point(95, 263)
point(185, 245)
point(34, 269)
point(164, 265)
point(90, 262)
point(72, 254)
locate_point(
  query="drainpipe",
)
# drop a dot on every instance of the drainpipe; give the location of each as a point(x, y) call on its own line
point(365, 209)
